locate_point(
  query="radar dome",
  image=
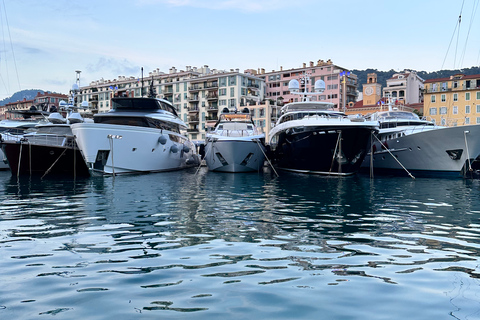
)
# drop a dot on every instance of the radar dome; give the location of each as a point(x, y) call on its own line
point(319, 85)
point(294, 85)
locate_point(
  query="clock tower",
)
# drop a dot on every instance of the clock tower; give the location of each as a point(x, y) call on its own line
point(372, 91)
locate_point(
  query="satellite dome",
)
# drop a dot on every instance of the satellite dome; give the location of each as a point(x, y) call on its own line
point(294, 85)
point(319, 85)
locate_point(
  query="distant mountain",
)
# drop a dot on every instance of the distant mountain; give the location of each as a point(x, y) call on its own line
point(382, 76)
point(20, 95)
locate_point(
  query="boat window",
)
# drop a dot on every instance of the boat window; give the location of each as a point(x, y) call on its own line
point(159, 124)
point(134, 104)
point(63, 130)
point(137, 122)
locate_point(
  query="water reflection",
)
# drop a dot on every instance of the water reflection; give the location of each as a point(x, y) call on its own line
point(219, 245)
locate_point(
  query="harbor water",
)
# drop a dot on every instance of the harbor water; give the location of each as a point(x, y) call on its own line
point(211, 245)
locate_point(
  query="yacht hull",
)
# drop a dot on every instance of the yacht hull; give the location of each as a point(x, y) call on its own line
point(234, 155)
point(4, 161)
point(327, 150)
point(33, 159)
point(449, 151)
point(118, 149)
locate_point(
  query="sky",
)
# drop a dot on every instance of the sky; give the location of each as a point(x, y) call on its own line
point(44, 42)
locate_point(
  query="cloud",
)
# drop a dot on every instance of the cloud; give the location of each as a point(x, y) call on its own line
point(242, 5)
point(113, 66)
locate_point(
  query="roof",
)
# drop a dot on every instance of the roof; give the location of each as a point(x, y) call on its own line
point(454, 77)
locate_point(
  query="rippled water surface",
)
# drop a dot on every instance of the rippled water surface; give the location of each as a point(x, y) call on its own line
point(239, 246)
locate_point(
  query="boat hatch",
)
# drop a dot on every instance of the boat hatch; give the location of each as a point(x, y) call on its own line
point(247, 158)
point(455, 154)
point(221, 158)
point(101, 159)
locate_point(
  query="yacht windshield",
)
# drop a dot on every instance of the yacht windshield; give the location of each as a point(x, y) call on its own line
point(398, 115)
point(141, 104)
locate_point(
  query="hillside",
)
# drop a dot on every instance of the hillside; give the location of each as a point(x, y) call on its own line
point(20, 95)
point(382, 76)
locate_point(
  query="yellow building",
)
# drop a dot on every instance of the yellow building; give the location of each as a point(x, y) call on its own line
point(453, 101)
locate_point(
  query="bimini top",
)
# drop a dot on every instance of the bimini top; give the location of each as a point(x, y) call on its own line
point(307, 105)
point(142, 105)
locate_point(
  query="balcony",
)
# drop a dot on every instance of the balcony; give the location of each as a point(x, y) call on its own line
point(212, 108)
point(167, 91)
point(193, 109)
point(193, 98)
point(210, 85)
point(212, 96)
point(195, 88)
point(212, 118)
point(191, 130)
point(193, 120)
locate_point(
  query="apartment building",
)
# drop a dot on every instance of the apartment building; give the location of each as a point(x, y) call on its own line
point(42, 101)
point(198, 94)
point(454, 100)
point(340, 84)
point(405, 87)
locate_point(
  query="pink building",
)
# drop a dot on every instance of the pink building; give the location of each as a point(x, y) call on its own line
point(337, 91)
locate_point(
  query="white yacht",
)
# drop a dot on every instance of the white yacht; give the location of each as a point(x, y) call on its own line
point(13, 129)
point(47, 148)
point(136, 135)
point(311, 137)
point(235, 144)
point(408, 143)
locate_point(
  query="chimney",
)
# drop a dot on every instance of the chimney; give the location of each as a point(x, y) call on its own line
point(281, 68)
point(311, 63)
point(304, 65)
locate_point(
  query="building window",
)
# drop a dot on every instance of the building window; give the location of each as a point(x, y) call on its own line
point(455, 97)
point(443, 110)
point(478, 120)
point(467, 96)
point(478, 95)
point(455, 109)
point(433, 111)
point(232, 92)
point(443, 122)
point(222, 92)
point(443, 98)
point(478, 108)
point(467, 109)
point(467, 120)
point(433, 98)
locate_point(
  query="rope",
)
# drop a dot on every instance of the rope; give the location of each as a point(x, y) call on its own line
point(268, 160)
point(111, 150)
point(19, 159)
point(371, 155)
point(48, 170)
point(335, 153)
point(468, 154)
point(205, 157)
point(30, 156)
point(74, 159)
point(388, 150)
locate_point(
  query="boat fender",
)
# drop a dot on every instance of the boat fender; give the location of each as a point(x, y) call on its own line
point(186, 149)
point(162, 139)
point(174, 148)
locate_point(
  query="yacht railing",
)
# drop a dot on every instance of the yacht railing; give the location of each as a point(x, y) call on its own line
point(42, 140)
